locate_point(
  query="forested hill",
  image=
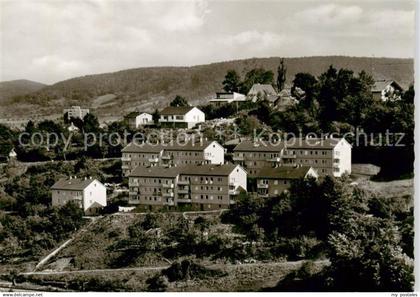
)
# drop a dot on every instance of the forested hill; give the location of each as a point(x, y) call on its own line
point(148, 88)
point(18, 87)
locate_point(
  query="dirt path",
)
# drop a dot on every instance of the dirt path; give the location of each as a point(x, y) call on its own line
point(66, 243)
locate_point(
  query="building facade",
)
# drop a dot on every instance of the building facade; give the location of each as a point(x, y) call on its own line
point(329, 156)
point(386, 90)
point(88, 194)
point(181, 117)
point(262, 90)
point(227, 97)
point(76, 112)
point(200, 187)
point(136, 120)
point(171, 154)
point(272, 181)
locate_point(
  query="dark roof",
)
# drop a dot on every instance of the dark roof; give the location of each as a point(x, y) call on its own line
point(176, 110)
point(318, 143)
point(77, 184)
point(155, 171)
point(136, 147)
point(172, 172)
point(189, 146)
point(262, 88)
point(258, 146)
point(134, 114)
point(157, 148)
point(380, 85)
point(208, 169)
point(283, 172)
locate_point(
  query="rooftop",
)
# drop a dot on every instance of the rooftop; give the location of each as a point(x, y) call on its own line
point(262, 88)
point(76, 184)
point(283, 172)
point(382, 84)
point(258, 146)
point(176, 110)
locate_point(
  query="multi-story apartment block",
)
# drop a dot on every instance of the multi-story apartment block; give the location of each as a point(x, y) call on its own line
point(89, 194)
point(254, 155)
point(204, 187)
point(76, 112)
point(272, 181)
point(181, 117)
point(171, 154)
point(329, 156)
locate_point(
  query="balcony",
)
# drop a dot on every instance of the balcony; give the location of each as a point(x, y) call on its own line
point(262, 186)
point(289, 156)
point(166, 157)
point(275, 159)
point(187, 200)
point(183, 191)
point(125, 166)
point(168, 186)
point(233, 192)
point(168, 194)
point(154, 160)
point(183, 182)
point(263, 195)
point(133, 193)
point(126, 159)
point(238, 158)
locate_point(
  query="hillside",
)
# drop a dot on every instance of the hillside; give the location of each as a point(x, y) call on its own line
point(148, 88)
point(18, 87)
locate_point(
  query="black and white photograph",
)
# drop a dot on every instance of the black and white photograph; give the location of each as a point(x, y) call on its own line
point(208, 146)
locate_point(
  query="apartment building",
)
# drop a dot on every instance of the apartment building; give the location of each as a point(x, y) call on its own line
point(89, 194)
point(181, 117)
point(171, 154)
point(153, 187)
point(76, 112)
point(272, 181)
point(254, 155)
point(205, 187)
point(327, 156)
point(209, 187)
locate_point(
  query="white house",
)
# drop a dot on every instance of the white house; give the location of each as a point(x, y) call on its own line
point(137, 119)
point(76, 112)
point(386, 90)
point(181, 117)
point(89, 194)
point(227, 97)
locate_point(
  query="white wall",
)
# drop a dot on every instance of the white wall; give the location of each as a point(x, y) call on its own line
point(238, 177)
point(215, 153)
point(194, 116)
point(144, 119)
point(344, 154)
point(95, 192)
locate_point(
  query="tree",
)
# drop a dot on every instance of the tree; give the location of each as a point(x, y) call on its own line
point(179, 101)
point(256, 76)
point(232, 81)
point(90, 123)
point(307, 83)
point(156, 116)
point(281, 75)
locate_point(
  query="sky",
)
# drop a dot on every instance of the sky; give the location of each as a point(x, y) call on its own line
point(49, 41)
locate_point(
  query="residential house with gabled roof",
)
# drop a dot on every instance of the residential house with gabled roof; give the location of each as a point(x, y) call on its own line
point(386, 90)
point(89, 194)
point(264, 91)
point(181, 117)
point(272, 181)
point(138, 119)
